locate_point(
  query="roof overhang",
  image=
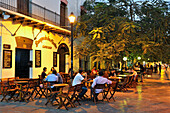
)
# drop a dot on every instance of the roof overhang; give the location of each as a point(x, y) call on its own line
point(29, 21)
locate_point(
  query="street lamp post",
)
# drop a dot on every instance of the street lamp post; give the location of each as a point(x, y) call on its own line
point(125, 59)
point(72, 20)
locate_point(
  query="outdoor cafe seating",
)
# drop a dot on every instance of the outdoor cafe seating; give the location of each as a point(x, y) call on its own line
point(25, 90)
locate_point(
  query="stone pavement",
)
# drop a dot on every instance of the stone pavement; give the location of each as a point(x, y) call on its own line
point(153, 97)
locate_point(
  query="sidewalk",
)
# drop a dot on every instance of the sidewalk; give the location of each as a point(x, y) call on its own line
point(153, 96)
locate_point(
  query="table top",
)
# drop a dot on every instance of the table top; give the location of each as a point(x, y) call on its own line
point(89, 81)
point(60, 85)
point(23, 79)
point(115, 77)
point(65, 73)
point(20, 82)
point(123, 75)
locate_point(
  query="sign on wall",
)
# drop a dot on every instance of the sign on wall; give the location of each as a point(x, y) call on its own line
point(7, 58)
point(23, 42)
point(37, 58)
point(54, 59)
point(6, 46)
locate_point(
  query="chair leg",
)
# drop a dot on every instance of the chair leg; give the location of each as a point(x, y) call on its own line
point(48, 100)
point(4, 97)
point(69, 100)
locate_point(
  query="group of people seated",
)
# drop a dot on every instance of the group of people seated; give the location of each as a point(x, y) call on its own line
point(81, 76)
point(52, 76)
point(78, 79)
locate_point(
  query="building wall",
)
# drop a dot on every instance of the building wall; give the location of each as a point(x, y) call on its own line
point(53, 5)
point(30, 32)
point(74, 6)
point(46, 54)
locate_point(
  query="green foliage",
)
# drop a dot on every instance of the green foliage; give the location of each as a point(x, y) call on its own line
point(112, 30)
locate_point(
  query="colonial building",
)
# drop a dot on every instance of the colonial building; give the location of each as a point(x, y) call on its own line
point(35, 34)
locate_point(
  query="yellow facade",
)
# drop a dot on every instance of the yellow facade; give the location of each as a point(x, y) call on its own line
point(46, 53)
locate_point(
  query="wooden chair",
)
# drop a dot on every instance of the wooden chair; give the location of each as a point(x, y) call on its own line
point(123, 85)
point(50, 94)
point(6, 90)
point(77, 90)
point(105, 91)
point(28, 90)
point(68, 97)
point(112, 89)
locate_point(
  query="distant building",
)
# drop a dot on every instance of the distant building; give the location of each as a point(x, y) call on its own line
point(36, 34)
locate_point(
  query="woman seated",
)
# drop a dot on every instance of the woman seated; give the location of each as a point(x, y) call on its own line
point(43, 74)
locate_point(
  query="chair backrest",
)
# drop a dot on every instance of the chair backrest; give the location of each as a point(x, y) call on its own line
point(11, 84)
point(78, 87)
point(4, 79)
point(4, 86)
point(47, 85)
point(100, 86)
point(32, 83)
point(114, 85)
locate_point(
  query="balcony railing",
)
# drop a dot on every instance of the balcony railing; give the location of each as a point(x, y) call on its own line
point(35, 11)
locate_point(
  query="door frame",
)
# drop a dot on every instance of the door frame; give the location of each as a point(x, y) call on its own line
point(66, 52)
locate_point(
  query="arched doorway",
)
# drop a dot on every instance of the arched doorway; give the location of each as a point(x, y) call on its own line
point(62, 51)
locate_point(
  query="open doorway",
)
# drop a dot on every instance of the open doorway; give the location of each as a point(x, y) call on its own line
point(62, 51)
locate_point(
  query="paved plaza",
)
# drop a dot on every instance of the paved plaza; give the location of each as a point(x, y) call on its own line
point(153, 96)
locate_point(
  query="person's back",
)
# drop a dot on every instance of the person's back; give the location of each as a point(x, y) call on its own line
point(52, 77)
point(100, 80)
point(77, 79)
point(60, 79)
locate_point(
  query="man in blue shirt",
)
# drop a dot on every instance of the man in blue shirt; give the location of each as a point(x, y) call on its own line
point(52, 78)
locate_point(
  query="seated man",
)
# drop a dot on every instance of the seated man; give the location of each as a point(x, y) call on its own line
point(52, 78)
point(100, 80)
point(77, 80)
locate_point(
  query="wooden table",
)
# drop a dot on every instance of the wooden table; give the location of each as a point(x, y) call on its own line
point(124, 75)
point(22, 79)
point(60, 86)
point(20, 92)
point(117, 78)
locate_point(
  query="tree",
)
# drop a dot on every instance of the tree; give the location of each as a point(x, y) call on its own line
point(124, 28)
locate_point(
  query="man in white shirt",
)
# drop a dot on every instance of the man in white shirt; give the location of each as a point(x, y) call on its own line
point(77, 80)
point(52, 78)
point(100, 80)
